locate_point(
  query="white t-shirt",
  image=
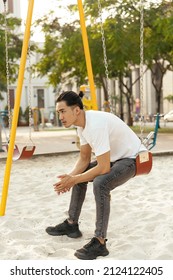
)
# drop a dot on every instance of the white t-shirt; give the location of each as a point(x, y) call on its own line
point(106, 132)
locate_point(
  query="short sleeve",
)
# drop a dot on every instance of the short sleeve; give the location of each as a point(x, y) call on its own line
point(82, 139)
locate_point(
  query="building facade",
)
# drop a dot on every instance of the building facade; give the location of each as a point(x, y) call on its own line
point(36, 92)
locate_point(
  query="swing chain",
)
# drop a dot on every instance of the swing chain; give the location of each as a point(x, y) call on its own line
point(7, 67)
point(142, 67)
point(104, 53)
point(29, 88)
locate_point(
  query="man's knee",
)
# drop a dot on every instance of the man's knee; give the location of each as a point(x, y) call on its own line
point(99, 185)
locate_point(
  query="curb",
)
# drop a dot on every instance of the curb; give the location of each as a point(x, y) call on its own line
point(155, 154)
point(163, 153)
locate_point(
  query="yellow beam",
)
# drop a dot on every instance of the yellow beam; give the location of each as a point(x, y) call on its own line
point(87, 54)
point(16, 109)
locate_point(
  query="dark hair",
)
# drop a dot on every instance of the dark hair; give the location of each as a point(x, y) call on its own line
point(71, 98)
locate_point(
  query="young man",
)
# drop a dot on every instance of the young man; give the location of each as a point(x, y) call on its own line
point(115, 146)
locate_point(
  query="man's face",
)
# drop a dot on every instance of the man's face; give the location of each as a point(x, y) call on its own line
point(67, 114)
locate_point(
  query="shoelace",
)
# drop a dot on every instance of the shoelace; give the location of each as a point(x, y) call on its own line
point(92, 243)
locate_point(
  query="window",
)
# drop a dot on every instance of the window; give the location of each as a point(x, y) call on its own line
point(40, 98)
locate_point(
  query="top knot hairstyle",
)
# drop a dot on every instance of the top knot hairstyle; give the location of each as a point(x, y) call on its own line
point(71, 98)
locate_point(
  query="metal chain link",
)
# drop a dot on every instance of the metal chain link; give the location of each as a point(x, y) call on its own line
point(104, 54)
point(7, 67)
point(29, 88)
point(142, 67)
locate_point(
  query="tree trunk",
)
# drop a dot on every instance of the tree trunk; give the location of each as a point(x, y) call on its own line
point(129, 116)
point(157, 81)
point(121, 97)
point(104, 88)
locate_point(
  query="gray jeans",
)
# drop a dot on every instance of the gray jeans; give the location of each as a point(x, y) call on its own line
point(121, 171)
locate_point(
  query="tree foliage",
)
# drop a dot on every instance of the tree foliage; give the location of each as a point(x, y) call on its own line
point(63, 55)
point(14, 49)
point(169, 98)
point(62, 51)
point(159, 44)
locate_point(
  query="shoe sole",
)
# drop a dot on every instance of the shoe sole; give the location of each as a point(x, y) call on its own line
point(71, 235)
point(74, 235)
point(84, 257)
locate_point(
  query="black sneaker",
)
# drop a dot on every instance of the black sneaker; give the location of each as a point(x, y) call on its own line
point(71, 230)
point(92, 250)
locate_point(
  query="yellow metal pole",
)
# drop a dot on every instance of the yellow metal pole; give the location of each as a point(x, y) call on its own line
point(16, 109)
point(87, 54)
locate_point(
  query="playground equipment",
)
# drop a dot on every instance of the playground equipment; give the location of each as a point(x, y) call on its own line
point(144, 161)
point(93, 101)
point(16, 108)
point(87, 100)
point(150, 140)
point(29, 149)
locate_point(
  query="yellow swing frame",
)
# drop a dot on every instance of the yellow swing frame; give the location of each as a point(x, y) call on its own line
point(19, 92)
point(16, 109)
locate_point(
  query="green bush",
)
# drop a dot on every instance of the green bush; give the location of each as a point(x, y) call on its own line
point(26, 115)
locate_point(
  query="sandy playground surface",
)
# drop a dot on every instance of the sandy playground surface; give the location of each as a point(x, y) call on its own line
point(141, 220)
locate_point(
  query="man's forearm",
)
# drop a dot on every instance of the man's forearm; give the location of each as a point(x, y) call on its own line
point(79, 167)
point(89, 175)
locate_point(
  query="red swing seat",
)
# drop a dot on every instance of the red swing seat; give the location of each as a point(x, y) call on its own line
point(27, 152)
point(143, 163)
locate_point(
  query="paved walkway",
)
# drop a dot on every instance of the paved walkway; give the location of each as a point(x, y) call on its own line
point(49, 142)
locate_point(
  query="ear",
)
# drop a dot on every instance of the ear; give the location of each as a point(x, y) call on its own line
point(77, 110)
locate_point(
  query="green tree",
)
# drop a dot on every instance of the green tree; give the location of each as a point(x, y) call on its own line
point(169, 98)
point(62, 53)
point(159, 44)
point(63, 49)
point(14, 50)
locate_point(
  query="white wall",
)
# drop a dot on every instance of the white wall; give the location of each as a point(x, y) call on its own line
point(36, 83)
point(16, 7)
point(167, 90)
